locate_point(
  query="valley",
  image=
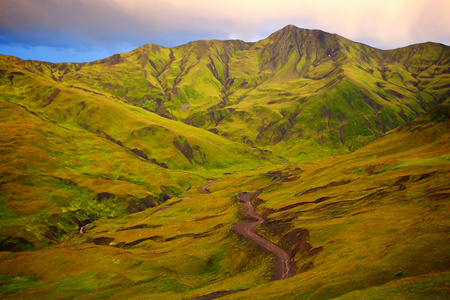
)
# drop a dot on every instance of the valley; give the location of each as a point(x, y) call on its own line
point(301, 166)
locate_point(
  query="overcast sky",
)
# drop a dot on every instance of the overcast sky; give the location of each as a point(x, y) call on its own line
point(87, 30)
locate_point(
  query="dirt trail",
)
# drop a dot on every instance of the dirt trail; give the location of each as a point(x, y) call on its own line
point(204, 188)
point(283, 267)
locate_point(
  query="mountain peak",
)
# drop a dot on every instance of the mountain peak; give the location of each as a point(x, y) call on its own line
point(105, 143)
point(292, 29)
point(301, 35)
point(300, 42)
point(289, 27)
point(287, 31)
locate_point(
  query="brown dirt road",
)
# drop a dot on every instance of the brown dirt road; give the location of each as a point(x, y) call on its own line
point(204, 188)
point(283, 267)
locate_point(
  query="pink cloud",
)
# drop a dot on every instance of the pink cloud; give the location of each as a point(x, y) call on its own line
point(111, 23)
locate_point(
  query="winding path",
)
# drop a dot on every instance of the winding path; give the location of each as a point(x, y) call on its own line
point(283, 267)
point(204, 188)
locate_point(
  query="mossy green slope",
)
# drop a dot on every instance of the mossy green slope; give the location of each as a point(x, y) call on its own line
point(54, 178)
point(154, 137)
point(70, 156)
point(110, 143)
point(300, 93)
point(370, 224)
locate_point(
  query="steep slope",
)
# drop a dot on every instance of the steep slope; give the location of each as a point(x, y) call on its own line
point(55, 180)
point(103, 167)
point(368, 224)
point(300, 93)
point(71, 156)
point(325, 92)
point(116, 120)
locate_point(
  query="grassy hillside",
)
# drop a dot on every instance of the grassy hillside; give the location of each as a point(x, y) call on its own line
point(300, 93)
point(71, 156)
point(351, 223)
point(346, 148)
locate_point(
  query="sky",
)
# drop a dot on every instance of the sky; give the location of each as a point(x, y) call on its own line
point(88, 30)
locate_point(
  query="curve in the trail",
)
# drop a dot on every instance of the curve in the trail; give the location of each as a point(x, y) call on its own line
point(283, 267)
point(205, 189)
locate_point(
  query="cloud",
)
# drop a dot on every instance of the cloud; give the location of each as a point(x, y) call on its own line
point(114, 24)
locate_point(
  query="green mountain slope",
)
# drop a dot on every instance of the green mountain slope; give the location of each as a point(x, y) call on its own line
point(300, 93)
point(71, 156)
point(345, 147)
point(351, 223)
point(154, 138)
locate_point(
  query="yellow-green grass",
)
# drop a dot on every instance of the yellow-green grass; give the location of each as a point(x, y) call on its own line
point(99, 142)
point(296, 87)
point(385, 212)
point(135, 128)
point(51, 174)
point(189, 247)
point(71, 156)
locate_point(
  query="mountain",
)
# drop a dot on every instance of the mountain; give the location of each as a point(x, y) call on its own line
point(342, 148)
point(71, 156)
point(296, 92)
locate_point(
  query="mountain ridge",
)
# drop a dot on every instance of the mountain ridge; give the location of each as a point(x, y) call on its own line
point(343, 147)
point(208, 84)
